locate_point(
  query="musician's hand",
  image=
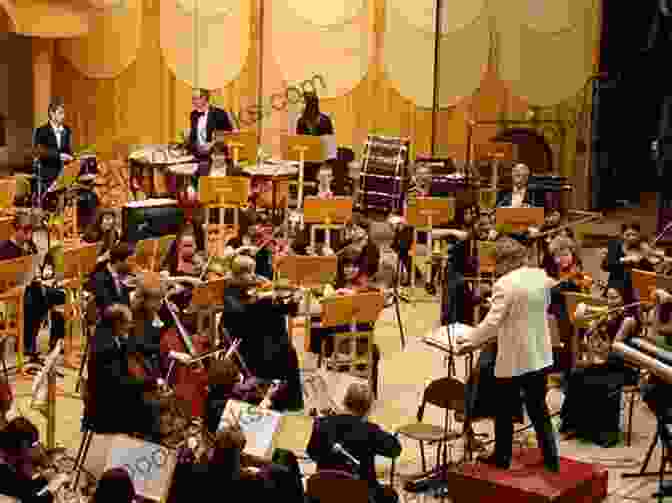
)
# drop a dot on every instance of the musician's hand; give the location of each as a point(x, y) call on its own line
point(180, 357)
point(533, 232)
point(492, 235)
point(464, 347)
point(66, 157)
point(662, 296)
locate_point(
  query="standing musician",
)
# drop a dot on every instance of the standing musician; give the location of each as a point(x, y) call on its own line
point(205, 119)
point(55, 143)
point(517, 320)
point(315, 123)
point(520, 196)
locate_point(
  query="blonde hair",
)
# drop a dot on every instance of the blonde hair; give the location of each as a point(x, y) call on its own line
point(522, 167)
point(561, 243)
point(358, 399)
point(510, 255)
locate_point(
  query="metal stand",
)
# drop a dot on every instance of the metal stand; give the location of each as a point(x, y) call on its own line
point(665, 454)
point(396, 297)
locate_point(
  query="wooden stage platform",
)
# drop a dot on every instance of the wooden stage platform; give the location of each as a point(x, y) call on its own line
point(528, 482)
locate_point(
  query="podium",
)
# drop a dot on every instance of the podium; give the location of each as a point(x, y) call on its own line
point(302, 148)
point(327, 214)
point(223, 192)
point(241, 144)
point(423, 216)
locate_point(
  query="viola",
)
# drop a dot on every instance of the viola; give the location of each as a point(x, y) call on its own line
point(582, 280)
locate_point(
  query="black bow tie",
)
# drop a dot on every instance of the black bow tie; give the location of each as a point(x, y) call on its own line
point(199, 114)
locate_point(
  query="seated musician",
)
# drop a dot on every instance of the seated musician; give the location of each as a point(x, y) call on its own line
point(315, 123)
point(179, 258)
point(19, 460)
point(520, 196)
point(107, 282)
point(261, 325)
point(230, 470)
point(39, 298)
point(115, 486)
point(103, 231)
point(592, 405)
point(355, 269)
point(622, 254)
point(360, 438)
point(111, 374)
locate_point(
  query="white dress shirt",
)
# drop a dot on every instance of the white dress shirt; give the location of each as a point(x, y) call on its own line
point(58, 131)
point(202, 131)
point(517, 198)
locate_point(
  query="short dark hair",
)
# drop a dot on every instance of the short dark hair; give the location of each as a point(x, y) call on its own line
point(115, 486)
point(632, 225)
point(19, 433)
point(55, 104)
point(121, 252)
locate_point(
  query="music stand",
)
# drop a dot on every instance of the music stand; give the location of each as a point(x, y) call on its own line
point(520, 219)
point(206, 299)
point(241, 144)
point(307, 272)
point(223, 192)
point(327, 214)
point(302, 148)
point(12, 286)
point(423, 216)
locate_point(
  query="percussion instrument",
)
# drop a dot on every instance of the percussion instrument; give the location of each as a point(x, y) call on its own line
point(384, 173)
point(88, 167)
point(152, 218)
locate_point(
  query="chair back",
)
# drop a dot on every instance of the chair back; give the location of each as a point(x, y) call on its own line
point(335, 486)
point(446, 393)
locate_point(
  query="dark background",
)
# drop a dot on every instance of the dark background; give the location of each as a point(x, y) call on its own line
point(628, 101)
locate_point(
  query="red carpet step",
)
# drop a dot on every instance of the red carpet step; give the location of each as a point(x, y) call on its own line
point(527, 481)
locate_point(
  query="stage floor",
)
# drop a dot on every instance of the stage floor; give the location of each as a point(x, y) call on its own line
point(403, 374)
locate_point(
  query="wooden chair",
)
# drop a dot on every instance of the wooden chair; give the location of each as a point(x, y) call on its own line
point(335, 486)
point(11, 295)
point(351, 310)
point(448, 394)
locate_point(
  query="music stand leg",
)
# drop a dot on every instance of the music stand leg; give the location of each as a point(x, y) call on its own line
point(642, 472)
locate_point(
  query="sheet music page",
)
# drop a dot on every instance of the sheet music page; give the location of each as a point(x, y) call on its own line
point(259, 426)
point(150, 466)
point(329, 146)
point(440, 335)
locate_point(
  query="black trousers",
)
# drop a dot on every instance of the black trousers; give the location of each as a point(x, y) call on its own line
point(37, 303)
point(533, 386)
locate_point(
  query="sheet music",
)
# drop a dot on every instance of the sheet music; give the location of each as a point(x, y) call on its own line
point(259, 426)
point(329, 146)
point(270, 169)
point(440, 336)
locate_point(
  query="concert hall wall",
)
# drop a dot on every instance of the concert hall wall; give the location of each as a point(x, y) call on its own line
point(130, 80)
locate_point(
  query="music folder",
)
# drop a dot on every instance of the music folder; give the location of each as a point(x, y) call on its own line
point(315, 148)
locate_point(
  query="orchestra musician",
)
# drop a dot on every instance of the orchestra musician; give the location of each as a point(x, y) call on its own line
point(517, 321)
point(107, 280)
point(104, 230)
point(629, 251)
point(315, 123)
point(598, 387)
point(112, 375)
point(38, 297)
point(359, 437)
point(54, 139)
point(204, 120)
point(520, 196)
point(20, 458)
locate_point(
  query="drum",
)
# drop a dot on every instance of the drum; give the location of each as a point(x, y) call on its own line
point(379, 191)
point(447, 185)
point(88, 168)
point(87, 206)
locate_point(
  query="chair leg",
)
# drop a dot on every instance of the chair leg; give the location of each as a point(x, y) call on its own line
point(631, 406)
point(422, 456)
point(81, 365)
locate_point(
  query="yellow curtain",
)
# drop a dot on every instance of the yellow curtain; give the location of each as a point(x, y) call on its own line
point(50, 19)
point(118, 28)
point(379, 81)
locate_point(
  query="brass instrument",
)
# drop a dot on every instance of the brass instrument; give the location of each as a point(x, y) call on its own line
point(585, 312)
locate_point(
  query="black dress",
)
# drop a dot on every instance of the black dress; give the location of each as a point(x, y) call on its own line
point(592, 404)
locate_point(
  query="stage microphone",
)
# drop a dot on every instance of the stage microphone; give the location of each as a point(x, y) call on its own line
point(338, 448)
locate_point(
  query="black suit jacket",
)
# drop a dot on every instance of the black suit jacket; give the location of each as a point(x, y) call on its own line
point(218, 120)
point(51, 162)
point(102, 285)
point(363, 440)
